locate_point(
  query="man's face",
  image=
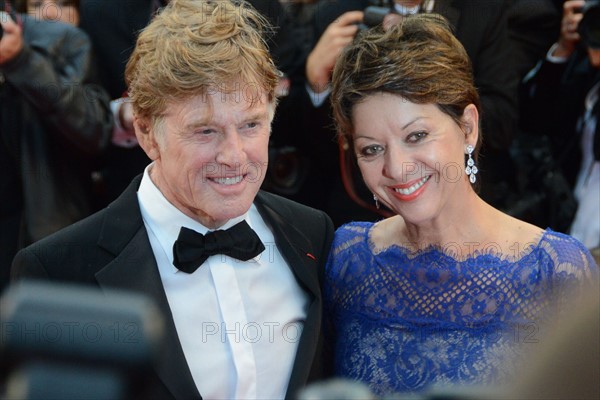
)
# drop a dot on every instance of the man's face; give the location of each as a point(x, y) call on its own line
point(210, 153)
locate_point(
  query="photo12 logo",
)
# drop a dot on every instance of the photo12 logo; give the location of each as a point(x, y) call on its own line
point(71, 333)
point(251, 332)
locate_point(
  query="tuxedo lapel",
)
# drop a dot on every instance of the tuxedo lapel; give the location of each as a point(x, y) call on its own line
point(295, 247)
point(134, 268)
point(298, 251)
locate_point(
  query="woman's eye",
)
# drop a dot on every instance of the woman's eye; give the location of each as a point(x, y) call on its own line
point(371, 150)
point(416, 137)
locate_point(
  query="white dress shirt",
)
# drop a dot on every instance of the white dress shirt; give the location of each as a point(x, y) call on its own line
point(238, 322)
point(586, 223)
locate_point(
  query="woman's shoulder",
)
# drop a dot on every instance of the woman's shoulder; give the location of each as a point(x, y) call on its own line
point(350, 234)
point(573, 269)
point(564, 248)
point(350, 244)
point(558, 246)
point(562, 239)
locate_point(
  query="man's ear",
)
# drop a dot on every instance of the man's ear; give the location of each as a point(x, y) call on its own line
point(144, 133)
point(470, 121)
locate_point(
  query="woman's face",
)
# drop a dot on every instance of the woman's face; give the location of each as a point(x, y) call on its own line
point(54, 10)
point(412, 156)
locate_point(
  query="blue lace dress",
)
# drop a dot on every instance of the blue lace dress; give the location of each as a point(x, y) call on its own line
point(404, 322)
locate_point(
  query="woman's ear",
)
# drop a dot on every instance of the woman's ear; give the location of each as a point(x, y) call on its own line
point(470, 119)
point(146, 137)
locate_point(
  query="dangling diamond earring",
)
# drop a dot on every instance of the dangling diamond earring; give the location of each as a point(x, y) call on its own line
point(471, 168)
point(376, 201)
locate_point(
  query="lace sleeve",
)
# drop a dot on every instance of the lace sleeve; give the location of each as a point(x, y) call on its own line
point(345, 242)
point(575, 271)
point(348, 238)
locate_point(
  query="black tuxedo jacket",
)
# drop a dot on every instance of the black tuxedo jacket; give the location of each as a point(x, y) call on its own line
point(110, 249)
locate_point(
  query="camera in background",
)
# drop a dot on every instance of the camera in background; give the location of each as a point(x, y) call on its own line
point(65, 341)
point(589, 27)
point(373, 16)
point(376, 12)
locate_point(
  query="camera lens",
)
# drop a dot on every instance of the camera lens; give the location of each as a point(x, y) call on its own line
point(374, 15)
point(589, 27)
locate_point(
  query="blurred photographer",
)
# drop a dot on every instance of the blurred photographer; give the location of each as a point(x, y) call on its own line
point(53, 123)
point(561, 95)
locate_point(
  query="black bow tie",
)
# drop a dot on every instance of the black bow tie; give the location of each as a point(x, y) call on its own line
point(191, 248)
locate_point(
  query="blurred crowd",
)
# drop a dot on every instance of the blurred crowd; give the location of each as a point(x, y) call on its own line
point(67, 146)
point(530, 71)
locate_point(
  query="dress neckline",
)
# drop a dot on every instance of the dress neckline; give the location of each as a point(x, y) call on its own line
point(450, 251)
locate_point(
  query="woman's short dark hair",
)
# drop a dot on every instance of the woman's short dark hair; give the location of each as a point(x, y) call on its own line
point(418, 59)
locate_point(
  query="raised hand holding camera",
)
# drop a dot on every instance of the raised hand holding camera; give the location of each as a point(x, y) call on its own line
point(589, 26)
point(336, 37)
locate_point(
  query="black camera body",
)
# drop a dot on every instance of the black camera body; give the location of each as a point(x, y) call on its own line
point(589, 26)
point(376, 12)
point(373, 16)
